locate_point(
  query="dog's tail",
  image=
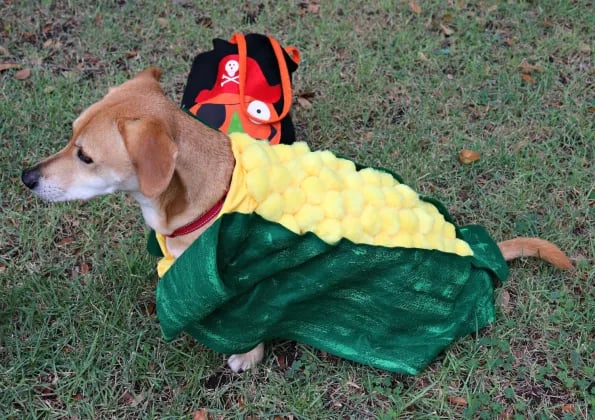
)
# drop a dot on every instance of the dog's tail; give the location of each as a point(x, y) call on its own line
point(535, 247)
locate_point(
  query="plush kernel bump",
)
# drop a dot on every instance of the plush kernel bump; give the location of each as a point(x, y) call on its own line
point(370, 221)
point(314, 189)
point(354, 202)
point(289, 222)
point(424, 220)
point(462, 248)
point(329, 230)
point(352, 180)
point(330, 179)
point(284, 152)
point(448, 230)
point(328, 159)
point(352, 228)
point(386, 180)
point(257, 182)
point(403, 239)
point(312, 163)
point(254, 156)
point(392, 197)
point(373, 195)
point(280, 178)
point(300, 148)
point(409, 197)
point(293, 200)
point(332, 205)
point(408, 220)
point(345, 165)
point(370, 176)
point(308, 217)
point(272, 207)
point(389, 220)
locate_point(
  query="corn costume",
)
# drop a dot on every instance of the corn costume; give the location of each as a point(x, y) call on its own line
point(311, 248)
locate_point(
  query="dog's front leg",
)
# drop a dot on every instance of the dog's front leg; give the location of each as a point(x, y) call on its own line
point(244, 361)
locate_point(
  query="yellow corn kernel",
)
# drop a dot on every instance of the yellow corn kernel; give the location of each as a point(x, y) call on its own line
point(298, 174)
point(403, 239)
point(314, 189)
point(370, 221)
point(280, 178)
point(382, 239)
point(308, 217)
point(300, 148)
point(293, 199)
point(424, 220)
point(329, 159)
point(390, 221)
point(462, 248)
point(387, 180)
point(312, 163)
point(420, 241)
point(370, 176)
point(408, 220)
point(409, 197)
point(345, 165)
point(352, 180)
point(332, 205)
point(352, 228)
point(330, 179)
point(284, 152)
point(254, 156)
point(272, 207)
point(373, 195)
point(392, 197)
point(354, 202)
point(436, 242)
point(329, 230)
point(288, 221)
point(257, 183)
point(448, 230)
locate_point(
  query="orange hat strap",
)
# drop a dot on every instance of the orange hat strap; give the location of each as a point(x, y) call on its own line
point(240, 40)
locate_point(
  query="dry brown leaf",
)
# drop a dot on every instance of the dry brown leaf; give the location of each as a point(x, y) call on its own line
point(304, 103)
point(527, 78)
point(23, 74)
point(200, 415)
point(314, 8)
point(460, 401)
point(446, 30)
point(66, 241)
point(2, 268)
point(467, 156)
point(84, 268)
point(505, 301)
point(568, 408)
point(414, 7)
point(163, 22)
point(8, 66)
point(131, 54)
point(3, 51)
point(530, 68)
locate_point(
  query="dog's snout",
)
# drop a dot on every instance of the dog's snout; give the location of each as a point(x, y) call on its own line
point(30, 176)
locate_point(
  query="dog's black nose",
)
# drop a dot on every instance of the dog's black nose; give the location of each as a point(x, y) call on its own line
point(30, 176)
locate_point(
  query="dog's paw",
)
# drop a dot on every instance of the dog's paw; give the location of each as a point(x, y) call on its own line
point(244, 361)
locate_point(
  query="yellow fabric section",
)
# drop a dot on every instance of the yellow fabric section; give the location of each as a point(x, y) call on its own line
point(318, 192)
point(167, 260)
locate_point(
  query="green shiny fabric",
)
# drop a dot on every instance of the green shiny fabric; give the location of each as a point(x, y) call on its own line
point(247, 280)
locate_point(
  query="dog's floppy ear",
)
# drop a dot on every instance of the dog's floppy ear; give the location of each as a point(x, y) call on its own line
point(154, 72)
point(152, 153)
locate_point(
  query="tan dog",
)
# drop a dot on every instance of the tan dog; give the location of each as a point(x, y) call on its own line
point(136, 140)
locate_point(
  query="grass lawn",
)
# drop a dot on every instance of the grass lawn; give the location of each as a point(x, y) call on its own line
point(389, 84)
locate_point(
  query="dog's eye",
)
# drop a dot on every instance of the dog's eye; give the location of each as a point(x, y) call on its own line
point(83, 157)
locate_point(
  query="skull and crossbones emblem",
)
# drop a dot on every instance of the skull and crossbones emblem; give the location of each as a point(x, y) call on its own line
point(231, 68)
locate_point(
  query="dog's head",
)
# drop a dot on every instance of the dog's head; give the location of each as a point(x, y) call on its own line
point(124, 142)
